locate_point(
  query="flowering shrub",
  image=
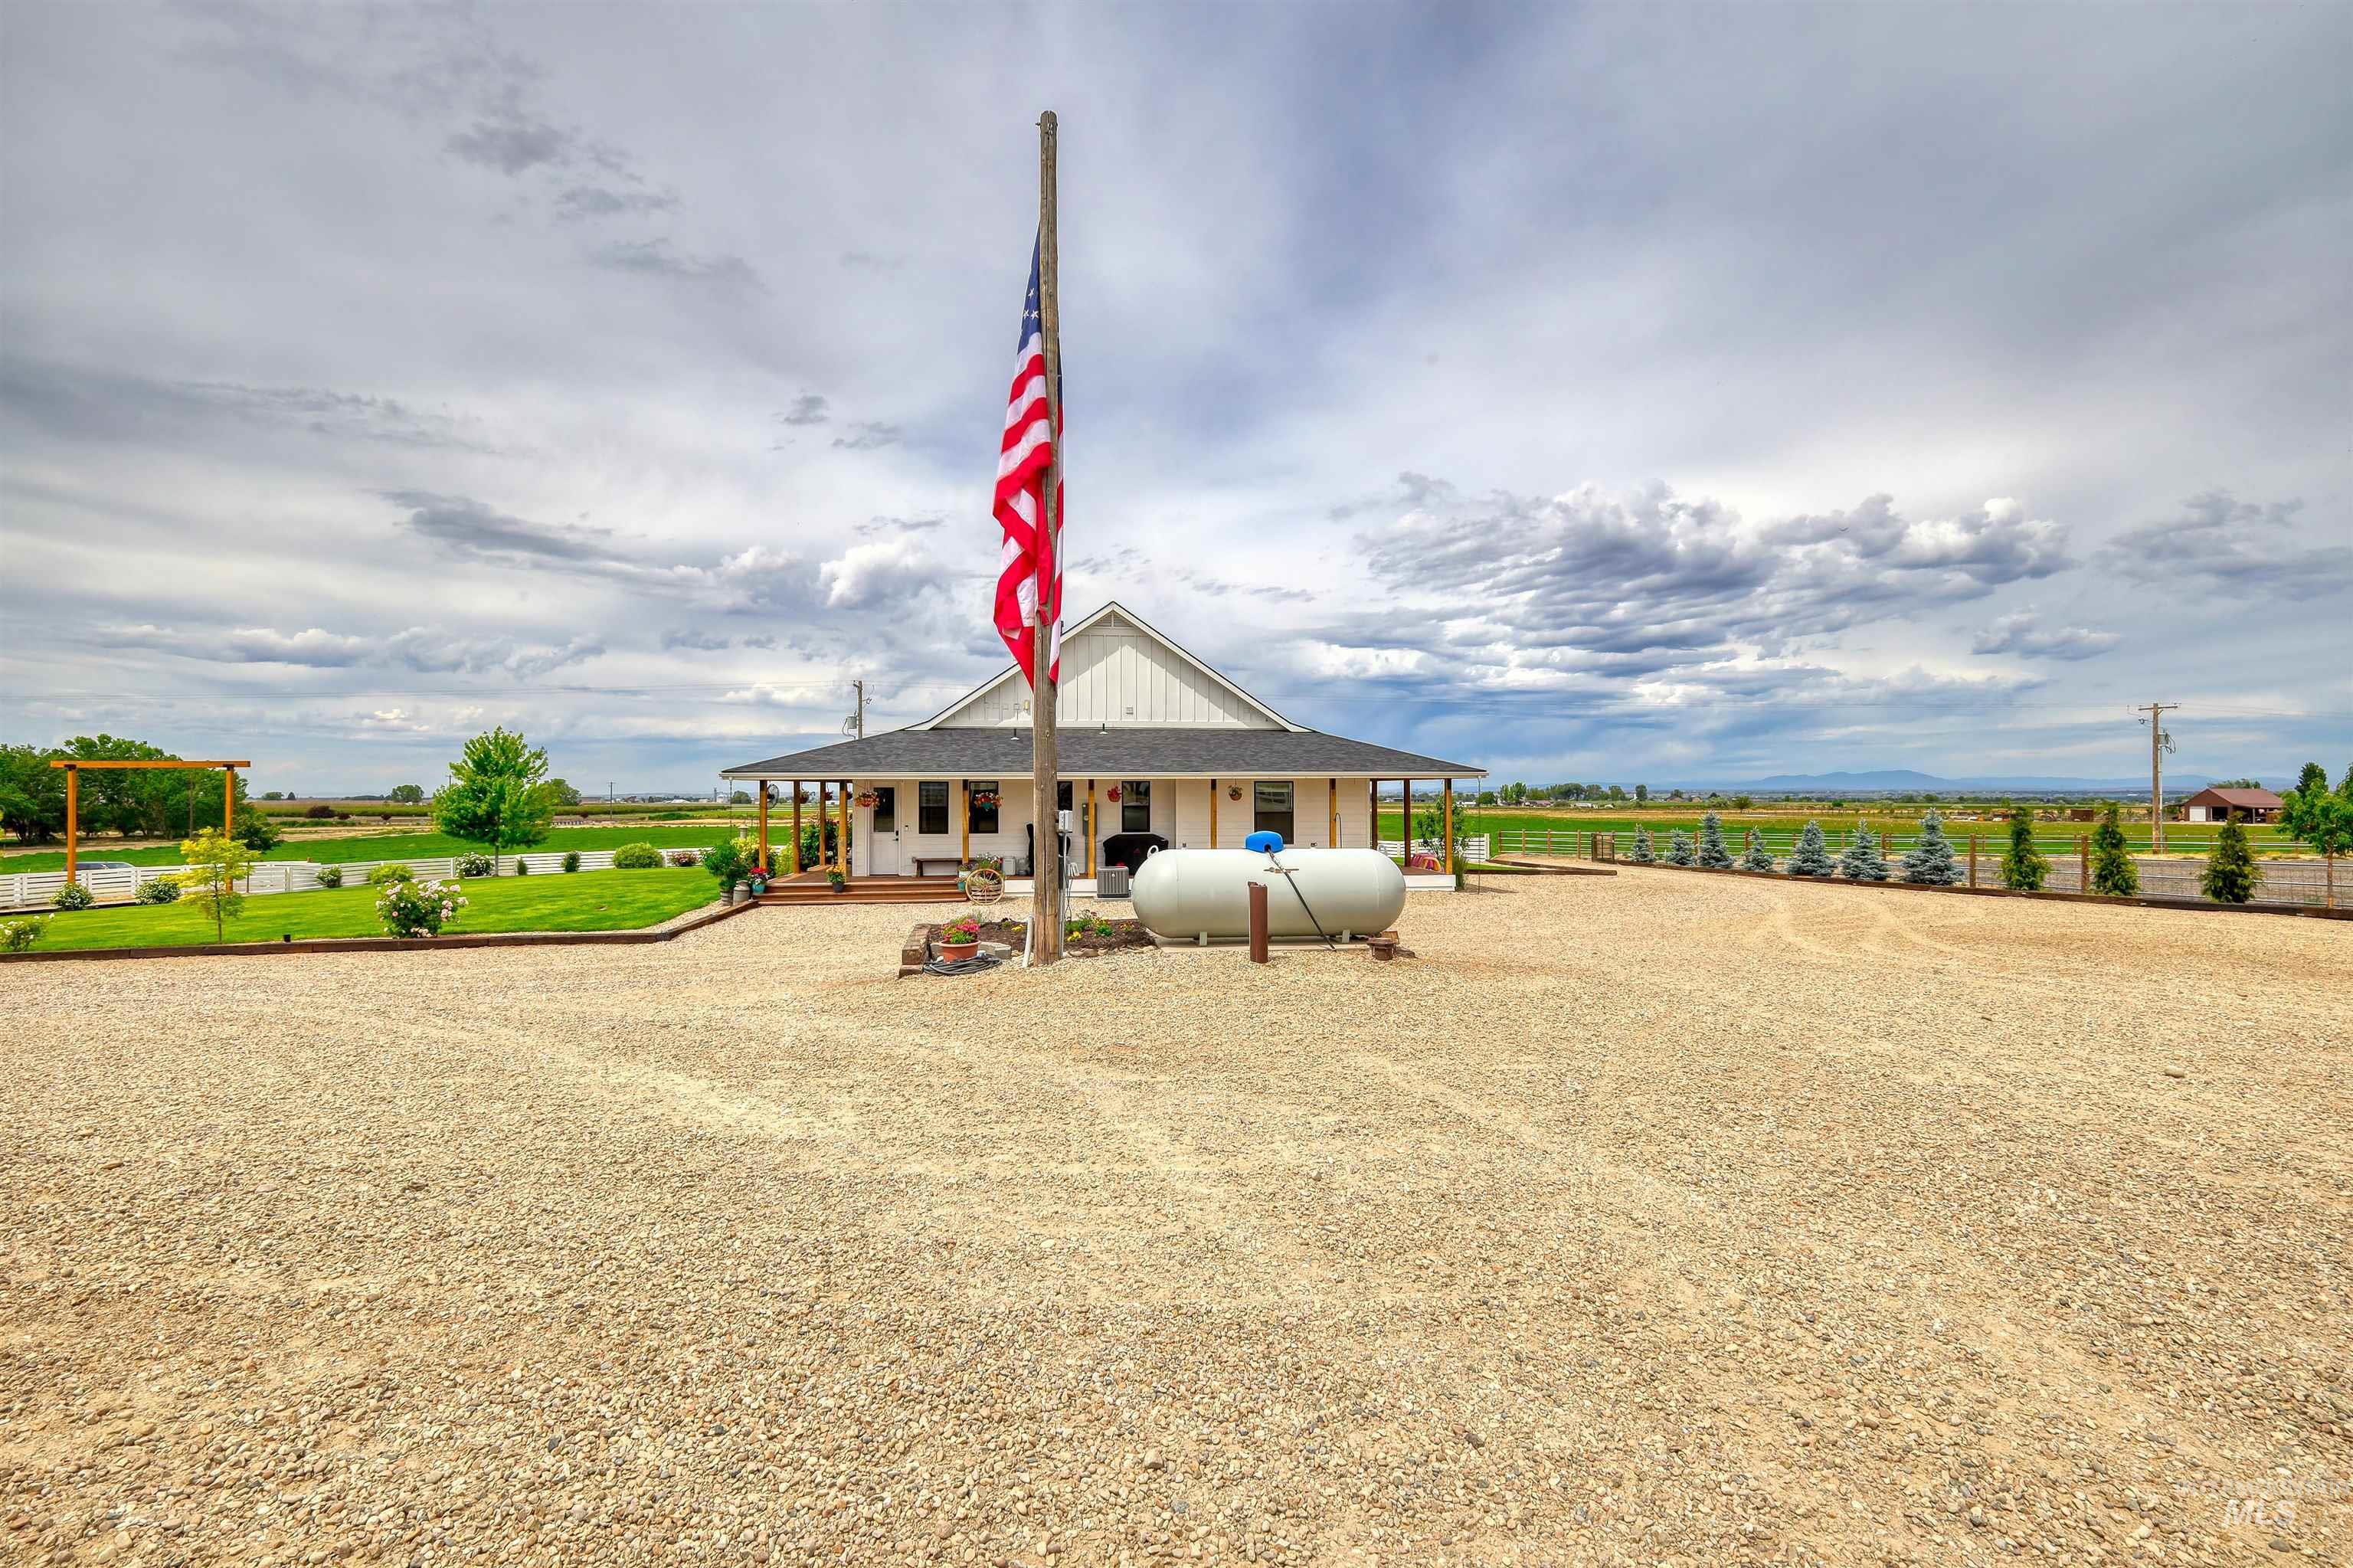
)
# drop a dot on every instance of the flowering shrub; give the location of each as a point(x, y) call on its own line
point(162, 890)
point(473, 865)
point(18, 935)
point(390, 871)
point(417, 908)
point(74, 896)
point(683, 857)
point(330, 876)
point(635, 857)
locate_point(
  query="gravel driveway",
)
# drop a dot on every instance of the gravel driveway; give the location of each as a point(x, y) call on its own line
point(1654, 1218)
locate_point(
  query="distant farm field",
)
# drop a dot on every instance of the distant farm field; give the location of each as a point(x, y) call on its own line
point(1776, 823)
point(422, 844)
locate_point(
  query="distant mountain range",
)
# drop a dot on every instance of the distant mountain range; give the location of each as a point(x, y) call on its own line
point(1907, 780)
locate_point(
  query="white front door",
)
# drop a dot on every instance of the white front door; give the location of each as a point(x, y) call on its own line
point(882, 833)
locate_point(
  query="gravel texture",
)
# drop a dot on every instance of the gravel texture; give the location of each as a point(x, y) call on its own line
point(1648, 1219)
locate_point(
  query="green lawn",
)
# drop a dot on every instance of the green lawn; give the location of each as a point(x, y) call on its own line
point(402, 845)
point(582, 901)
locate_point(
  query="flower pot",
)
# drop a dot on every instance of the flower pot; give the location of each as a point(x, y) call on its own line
point(955, 950)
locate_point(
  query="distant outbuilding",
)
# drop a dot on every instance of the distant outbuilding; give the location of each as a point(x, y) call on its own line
point(2215, 805)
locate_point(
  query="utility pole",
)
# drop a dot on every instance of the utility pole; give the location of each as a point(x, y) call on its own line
point(1046, 865)
point(2160, 743)
point(859, 716)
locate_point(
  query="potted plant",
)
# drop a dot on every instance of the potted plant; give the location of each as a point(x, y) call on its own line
point(833, 875)
point(759, 880)
point(982, 880)
point(960, 938)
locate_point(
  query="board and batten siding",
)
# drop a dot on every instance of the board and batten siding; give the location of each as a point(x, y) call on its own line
point(1113, 673)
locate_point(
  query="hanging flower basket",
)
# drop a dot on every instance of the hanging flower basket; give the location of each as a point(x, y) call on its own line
point(865, 801)
point(1233, 792)
point(1111, 794)
point(984, 797)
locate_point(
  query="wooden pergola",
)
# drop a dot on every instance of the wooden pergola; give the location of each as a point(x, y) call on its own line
point(841, 833)
point(74, 766)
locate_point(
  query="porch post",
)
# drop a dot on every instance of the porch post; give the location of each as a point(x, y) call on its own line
point(1405, 806)
point(1213, 813)
point(797, 827)
point(1373, 812)
point(963, 821)
point(1091, 827)
point(841, 841)
point(764, 824)
point(1332, 814)
point(73, 811)
point(1449, 826)
point(228, 803)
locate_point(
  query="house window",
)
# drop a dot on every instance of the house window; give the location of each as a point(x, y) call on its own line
point(1270, 806)
point(1135, 806)
point(886, 808)
point(932, 806)
point(980, 805)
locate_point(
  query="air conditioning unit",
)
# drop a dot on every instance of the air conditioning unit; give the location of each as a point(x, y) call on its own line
point(1112, 881)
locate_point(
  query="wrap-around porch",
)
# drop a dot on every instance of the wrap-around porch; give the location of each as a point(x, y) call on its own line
point(913, 826)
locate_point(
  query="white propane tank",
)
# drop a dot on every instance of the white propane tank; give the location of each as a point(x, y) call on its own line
point(1187, 895)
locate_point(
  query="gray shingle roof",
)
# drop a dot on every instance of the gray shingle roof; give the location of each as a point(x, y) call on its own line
point(1087, 753)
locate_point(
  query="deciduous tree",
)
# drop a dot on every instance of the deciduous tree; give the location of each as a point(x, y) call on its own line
point(215, 864)
point(2314, 815)
point(497, 795)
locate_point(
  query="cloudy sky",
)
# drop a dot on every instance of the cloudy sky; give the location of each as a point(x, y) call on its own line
point(1635, 393)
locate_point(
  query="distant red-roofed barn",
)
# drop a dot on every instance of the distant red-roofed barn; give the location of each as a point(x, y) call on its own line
point(2215, 805)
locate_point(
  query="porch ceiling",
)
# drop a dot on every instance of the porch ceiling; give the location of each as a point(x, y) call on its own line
point(1100, 753)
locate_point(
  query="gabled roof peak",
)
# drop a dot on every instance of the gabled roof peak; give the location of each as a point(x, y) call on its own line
point(1109, 609)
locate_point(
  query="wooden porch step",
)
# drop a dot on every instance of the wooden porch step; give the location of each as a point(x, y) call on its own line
point(876, 890)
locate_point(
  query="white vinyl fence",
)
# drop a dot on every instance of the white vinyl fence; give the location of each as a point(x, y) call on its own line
point(121, 885)
point(1472, 846)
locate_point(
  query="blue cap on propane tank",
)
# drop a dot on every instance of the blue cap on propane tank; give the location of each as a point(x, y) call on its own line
point(1263, 843)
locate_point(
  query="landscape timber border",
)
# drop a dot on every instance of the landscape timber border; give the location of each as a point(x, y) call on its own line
point(677, 926)
point(2192, 906)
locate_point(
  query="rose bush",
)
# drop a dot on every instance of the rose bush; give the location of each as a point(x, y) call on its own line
point(419, 908)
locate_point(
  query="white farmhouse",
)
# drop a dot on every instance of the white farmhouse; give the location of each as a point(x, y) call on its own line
point(1157, 751)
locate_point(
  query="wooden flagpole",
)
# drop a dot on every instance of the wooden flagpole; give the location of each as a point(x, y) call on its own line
point(1046, 873)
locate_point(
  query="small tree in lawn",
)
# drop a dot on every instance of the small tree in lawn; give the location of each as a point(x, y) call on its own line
point(2113, 872)
point(1642, 853)
point(496, 795)
point(1712, 852)
point(1812, 856)
point(2314, 814)
point(1930, 861)
point(1679, 848)
point(1755, 857)
point(1862, 861)
point(2022, 865)
point(2231, 874)
point(216, 864)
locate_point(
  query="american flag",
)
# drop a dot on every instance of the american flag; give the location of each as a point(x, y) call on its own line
point(1021, 465)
